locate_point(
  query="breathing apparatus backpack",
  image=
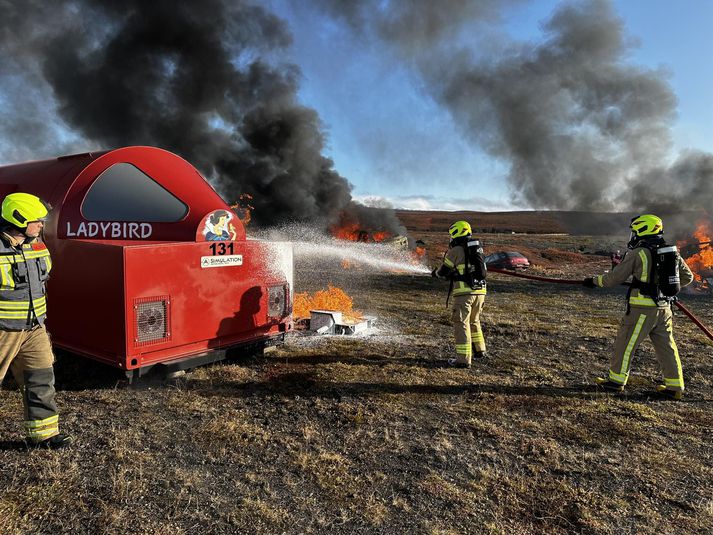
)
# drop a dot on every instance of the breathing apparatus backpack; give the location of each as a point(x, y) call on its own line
point(475, 268)
point(475, 271)
point(665, 281)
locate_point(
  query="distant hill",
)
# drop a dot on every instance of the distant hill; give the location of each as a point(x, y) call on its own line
point(534, 222)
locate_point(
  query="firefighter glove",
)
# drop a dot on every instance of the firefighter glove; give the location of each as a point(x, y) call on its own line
point(433, 274)
point(589, 283)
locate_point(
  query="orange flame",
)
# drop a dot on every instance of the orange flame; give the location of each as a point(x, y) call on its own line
point(702, 262)
point(332, 298)
point(243, 208)
point(347, 232)
point(352, 232)
point(380, 236)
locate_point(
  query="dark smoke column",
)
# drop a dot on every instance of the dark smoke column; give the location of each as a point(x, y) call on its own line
point(202, 79)
point(579, 126)
point(572, 119)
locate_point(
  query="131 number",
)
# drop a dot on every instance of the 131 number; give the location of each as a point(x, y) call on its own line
point(221, 248)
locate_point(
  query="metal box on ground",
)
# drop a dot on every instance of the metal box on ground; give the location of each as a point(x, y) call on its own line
point(332, 322)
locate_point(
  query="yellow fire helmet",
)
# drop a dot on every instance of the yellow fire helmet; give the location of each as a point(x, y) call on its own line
point(646, 225)
point(460, 229)
point(20, 209)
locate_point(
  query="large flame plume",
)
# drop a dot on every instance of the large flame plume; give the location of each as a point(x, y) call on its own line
point(701, 263)
point(332, 298)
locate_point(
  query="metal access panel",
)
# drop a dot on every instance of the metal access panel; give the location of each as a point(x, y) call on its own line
point(85, 313)
point(184, 299)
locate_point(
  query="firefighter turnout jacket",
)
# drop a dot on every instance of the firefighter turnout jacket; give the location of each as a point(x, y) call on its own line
point(24, 268)
point(637, 263)
point(646, 315)
point(453, 267)
point(25, 347)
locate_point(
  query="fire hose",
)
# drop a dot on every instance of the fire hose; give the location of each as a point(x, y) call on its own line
point(678, 304)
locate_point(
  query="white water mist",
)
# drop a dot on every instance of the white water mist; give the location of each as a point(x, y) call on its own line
point(312, 245)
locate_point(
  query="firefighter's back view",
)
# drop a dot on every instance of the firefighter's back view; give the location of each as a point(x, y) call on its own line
point(25, 346)
point(657, 272)
point(464, 266)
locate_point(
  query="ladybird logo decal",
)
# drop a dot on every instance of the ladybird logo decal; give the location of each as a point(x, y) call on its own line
point(110, 229)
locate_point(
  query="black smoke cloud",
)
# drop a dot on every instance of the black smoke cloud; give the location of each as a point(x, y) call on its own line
point(414, 25)
point(580, 127)
point(203, 80)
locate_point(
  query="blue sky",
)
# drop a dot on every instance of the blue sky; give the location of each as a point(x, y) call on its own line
point(392, 141)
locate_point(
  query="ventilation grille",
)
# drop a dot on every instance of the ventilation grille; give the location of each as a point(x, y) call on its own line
point(151, 320)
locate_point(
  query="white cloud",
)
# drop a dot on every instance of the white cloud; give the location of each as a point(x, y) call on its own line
point(430, 202)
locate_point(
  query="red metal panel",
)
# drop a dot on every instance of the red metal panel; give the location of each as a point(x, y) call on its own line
point(210, 307)
point(170, 171)
point(64, 182)
point(85, 300)
point(48, 179)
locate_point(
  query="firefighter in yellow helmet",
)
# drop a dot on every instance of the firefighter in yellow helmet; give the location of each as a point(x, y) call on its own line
point(25, 346)
point(658, 272)
point(464, 266)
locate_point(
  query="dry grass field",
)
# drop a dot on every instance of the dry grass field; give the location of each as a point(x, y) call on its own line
point(373, 434)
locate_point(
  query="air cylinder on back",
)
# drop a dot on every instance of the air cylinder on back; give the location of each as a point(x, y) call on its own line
point(669, 282)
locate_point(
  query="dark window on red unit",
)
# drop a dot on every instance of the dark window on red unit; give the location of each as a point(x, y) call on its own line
point(125, 193)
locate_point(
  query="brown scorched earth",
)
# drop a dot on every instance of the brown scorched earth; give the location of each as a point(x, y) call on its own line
point(373, 434)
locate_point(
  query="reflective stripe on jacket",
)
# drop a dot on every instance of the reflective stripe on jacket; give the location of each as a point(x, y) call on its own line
point(23, 272)
point(453, 263)
point(637, 263)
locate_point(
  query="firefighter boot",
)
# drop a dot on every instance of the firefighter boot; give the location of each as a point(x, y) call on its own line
point(665, 392)
point(453, 363)
point(482, 355)
point(606, 384)
point(55, 442)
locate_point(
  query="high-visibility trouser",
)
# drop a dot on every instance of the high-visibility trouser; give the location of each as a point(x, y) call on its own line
point(28, 354)
point(658, 325)
point(466, 311)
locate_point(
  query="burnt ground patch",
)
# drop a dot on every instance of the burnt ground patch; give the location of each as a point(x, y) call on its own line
point(373, 434)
